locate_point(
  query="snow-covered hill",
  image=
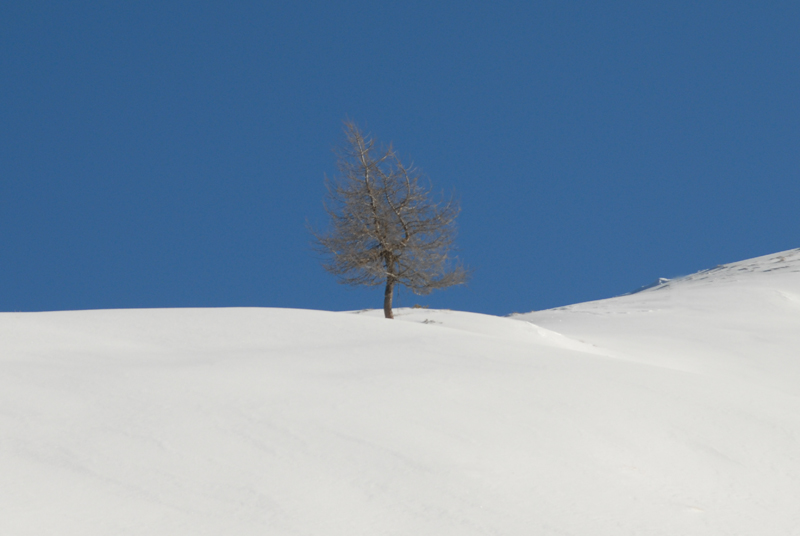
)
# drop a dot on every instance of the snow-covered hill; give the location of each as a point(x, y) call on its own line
point(675, 410)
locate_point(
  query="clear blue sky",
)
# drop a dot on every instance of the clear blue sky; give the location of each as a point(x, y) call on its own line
point(169, 154)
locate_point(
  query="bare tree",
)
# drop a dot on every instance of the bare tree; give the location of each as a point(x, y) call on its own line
point(385, 227)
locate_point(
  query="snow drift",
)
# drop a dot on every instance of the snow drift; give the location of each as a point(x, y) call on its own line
point(675, 410)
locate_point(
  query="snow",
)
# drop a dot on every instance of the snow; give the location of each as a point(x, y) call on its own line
point(675, 410)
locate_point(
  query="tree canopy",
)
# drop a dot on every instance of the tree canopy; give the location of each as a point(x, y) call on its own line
point(385, 226)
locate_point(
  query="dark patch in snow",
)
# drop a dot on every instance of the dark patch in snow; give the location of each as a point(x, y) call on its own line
point(661, 281)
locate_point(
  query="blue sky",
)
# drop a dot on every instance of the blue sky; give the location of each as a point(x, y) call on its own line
point(169, 154)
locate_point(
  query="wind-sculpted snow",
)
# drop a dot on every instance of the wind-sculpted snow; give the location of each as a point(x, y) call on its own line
point(673, 411)
point(786, 261)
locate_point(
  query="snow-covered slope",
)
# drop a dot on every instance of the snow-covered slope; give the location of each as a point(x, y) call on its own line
point(671, 411)
point(739, 320)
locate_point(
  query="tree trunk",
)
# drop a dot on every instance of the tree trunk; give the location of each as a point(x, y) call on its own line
point(387, 298)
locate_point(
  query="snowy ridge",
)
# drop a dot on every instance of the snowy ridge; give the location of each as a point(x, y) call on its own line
point(657, 283)
point(674, 410)
point(783, 262)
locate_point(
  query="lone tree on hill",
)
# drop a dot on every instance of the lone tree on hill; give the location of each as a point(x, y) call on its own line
point(386, 228)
